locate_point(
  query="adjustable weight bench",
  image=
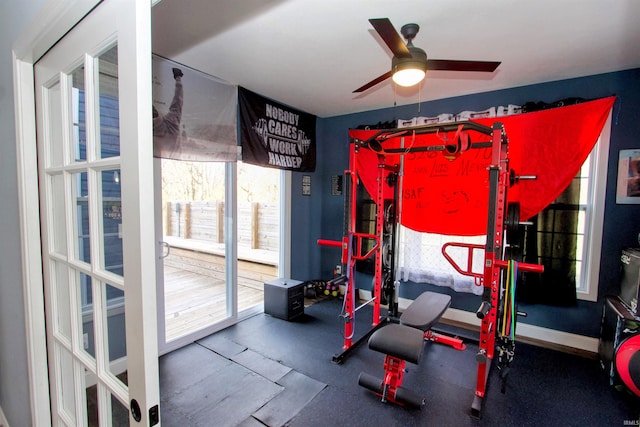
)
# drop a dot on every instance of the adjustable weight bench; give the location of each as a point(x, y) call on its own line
point(403, 343)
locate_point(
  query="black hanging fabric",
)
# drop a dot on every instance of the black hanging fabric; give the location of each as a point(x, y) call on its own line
point(276, 135)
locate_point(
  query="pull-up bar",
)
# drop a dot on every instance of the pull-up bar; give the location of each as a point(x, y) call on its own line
point(459, 143)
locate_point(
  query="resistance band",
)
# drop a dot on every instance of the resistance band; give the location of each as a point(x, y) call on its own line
point(509, 301)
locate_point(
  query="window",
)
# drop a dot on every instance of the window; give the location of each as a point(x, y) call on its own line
point(559, 233)
point(366, 217)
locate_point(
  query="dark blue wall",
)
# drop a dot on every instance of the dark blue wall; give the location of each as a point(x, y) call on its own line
point(321, 214)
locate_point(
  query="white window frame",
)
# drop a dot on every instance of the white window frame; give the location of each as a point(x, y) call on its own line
point(587, 290)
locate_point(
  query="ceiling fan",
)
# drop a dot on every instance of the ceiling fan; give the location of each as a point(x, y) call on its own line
point(412, 61)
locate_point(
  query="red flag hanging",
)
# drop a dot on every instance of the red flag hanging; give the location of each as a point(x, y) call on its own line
point(448, 194)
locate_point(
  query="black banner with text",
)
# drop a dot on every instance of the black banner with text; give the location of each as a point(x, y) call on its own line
point(275, 135)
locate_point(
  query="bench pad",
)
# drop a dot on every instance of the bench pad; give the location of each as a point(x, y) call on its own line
point(399, 341)
point(425, 310)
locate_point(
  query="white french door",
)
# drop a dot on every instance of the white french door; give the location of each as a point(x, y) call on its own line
point(95, 165)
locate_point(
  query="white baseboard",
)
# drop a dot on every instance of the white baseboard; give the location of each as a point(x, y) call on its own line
point(524, 330)
point(537, 333)
point(3, 419)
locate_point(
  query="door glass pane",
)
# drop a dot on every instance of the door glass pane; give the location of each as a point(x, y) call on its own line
point(258, 231)
point(119, 413)
point(86, 313)
point(60, 287)
point(58, 231)
point(54, 125)
point(115, 333)
point(66, 392)
point(78, 115)
point(108, 103)
point(92, 397)
point(193, 212)
point(80, 195)
point(111, 220)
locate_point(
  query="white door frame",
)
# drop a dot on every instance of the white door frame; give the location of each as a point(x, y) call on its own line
point(52, 22)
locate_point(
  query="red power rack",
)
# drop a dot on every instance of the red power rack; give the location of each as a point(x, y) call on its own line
point(501, 177)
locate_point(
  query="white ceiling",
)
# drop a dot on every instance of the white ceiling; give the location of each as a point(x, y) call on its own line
point(312, 54)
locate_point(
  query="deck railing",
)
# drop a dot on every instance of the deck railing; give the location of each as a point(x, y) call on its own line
point(258, 222)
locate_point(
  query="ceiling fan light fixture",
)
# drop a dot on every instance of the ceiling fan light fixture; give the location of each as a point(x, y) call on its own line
point(408, 76)
point(409, 71)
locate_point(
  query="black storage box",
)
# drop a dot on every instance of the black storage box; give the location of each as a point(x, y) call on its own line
point(630, 279)
point(284, 298)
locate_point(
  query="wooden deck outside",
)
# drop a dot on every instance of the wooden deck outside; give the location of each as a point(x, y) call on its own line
point(195, 289)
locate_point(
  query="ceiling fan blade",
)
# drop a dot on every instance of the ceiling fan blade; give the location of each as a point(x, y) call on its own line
point(454, 65)
point(391, 37)
point(374, 82)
